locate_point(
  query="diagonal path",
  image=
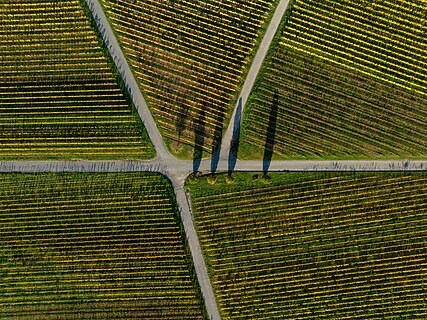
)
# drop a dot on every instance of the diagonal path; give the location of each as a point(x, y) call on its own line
point(195, 249)
point(128, 78)
point(177, 178)
point(231, 134)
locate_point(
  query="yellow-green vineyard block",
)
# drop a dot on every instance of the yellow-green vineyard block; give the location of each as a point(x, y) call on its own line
point(60, 97)
point(93, 246)
point(343, 80)
point(315, 245)
point(190, 58)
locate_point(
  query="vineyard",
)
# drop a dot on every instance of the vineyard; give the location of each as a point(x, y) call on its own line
point(190, 58)
point(345, 79)
point(316, 245)
point(59, 95)
point(93, 246)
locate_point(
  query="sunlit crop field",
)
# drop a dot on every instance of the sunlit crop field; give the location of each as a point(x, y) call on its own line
point(345, 79)
point(190, 58)
point(93, 246)
point(59, 96)
point(316, 245)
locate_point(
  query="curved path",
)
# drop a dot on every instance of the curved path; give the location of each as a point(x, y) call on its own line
point(178, 170)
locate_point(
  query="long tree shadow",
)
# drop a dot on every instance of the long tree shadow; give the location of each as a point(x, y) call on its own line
point(199, 138)
point(234, 147)
point(216, 145)
point(271, 134)
point(181, 120)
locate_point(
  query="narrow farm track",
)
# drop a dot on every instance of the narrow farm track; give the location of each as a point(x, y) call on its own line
point(162, 154)
point(236, 117)
point(190, 59)
point(195, 249)
point(178, 170)
point(128, 78)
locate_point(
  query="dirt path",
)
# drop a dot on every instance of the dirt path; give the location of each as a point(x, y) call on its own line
point(180, 169)
point(128, 78)
point(227, 139)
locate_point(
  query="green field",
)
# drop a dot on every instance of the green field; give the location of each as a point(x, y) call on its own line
point(93, 246)
point(315, 245)
point(190, 58)
point(344, 80)
point(60, 97)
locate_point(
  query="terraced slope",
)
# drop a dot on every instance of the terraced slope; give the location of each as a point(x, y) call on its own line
point(316, 246)
point(92, 246)
point(59, 97)
point(345, 79)
point(190, 57)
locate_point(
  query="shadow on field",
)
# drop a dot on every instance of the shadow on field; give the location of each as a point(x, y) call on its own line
point(234, 147)
point(181, 120)
point(216, 145)
point(199, 138)
point(271, 134)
